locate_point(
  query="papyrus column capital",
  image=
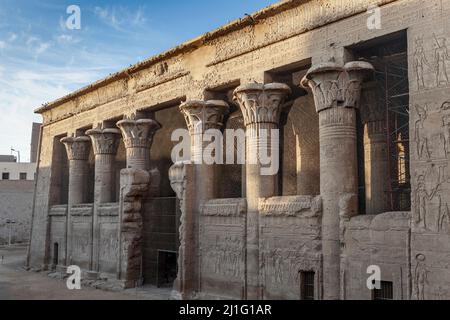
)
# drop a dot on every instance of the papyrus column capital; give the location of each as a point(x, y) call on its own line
point(203, 115)
point(77, 148)
point(138, 133)
point(261, 103)
point(334, 85)
point(104, 141)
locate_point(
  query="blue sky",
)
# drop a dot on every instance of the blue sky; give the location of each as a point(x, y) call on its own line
point(41, 59)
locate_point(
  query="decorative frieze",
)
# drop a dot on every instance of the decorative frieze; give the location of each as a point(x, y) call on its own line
point(224, 207)
point(305, 206)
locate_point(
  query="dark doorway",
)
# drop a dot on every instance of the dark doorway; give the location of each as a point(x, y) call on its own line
point(55, 254)
point(390, 89)
point(167, 268)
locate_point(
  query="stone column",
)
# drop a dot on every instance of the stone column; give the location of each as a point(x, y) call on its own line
point(375, 153)
point(134, 184)
point(138, 139)
point(78, 149)
point(200, 116)
point(336, 91)
point(261, 106)
point(182, 181)
point(104, 143)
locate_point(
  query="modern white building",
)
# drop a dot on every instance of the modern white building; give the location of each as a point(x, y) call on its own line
point(17, 171)
point(16, 194)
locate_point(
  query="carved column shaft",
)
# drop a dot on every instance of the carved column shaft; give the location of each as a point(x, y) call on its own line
point(336, 93)
point(134, 184)
point(78, 149)
point(182, 181)
point(200, 116)
point(104, 143)
point(261, 108)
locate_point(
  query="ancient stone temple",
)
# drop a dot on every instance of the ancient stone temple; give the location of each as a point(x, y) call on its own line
point(359, 118)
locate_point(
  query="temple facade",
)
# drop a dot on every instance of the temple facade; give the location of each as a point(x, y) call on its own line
point(357, 92)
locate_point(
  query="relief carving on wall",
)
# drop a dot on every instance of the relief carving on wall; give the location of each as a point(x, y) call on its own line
point(420, 277)
point(224, 255)
point(224, 207)
point(282, 265)
point(306, 206)
point(160, 73)
point(431, 203)
point(432, 71)
point(432, 131)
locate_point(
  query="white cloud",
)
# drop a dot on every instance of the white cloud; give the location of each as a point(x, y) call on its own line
point(42, 47)
point(67, 39)
point(12, 37)
point(120, 18)
point(2, 45)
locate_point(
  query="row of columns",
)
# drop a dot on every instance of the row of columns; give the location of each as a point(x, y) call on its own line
point(137, 136)
point(336, 91)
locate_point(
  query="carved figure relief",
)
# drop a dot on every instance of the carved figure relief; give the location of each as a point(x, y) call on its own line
point(421, 140)
point(420, 277)
point(441, 56)
point(225, 255)
point(420, 61)
point(432, 131)
point(431, 209)
point(437, 64)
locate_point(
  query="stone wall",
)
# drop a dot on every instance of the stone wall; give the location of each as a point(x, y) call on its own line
point(16, 201)
point(160, 233)
point(222, 248)
point(290, 243)
point(382, 240)
point(244, 52)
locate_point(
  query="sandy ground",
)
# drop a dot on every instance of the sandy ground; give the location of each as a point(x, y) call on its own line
point(18, 284)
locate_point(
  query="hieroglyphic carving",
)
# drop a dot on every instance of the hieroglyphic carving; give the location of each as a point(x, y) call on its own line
point(224, 207)
point(306, 206)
